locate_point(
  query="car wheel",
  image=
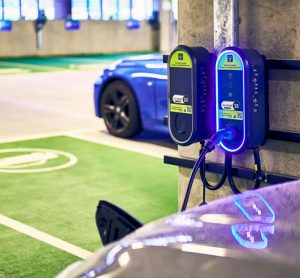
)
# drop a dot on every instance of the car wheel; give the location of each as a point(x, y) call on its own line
point(119, 110)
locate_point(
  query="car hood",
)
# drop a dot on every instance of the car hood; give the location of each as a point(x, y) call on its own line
point(254, 234)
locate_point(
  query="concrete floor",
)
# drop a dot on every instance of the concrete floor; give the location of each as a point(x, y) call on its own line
point(44, 104)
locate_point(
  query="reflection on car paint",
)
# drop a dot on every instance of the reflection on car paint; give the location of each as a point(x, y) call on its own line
point(252, 235)
point(256, 209)
point(115, 252)
point(162, 241)
point(156, 66)
point(149, 75)
point(217, 218)
point(184, 220)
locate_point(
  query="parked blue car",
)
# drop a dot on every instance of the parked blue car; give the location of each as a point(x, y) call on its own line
point(131, 95)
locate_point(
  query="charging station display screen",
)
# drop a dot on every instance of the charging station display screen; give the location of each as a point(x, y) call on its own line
point(230, 97)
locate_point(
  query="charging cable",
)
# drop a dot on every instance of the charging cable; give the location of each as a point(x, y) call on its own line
point(205, 182)
point(257, 169)
point(228, 133)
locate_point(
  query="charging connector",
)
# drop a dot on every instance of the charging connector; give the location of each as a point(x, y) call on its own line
point(227, 133)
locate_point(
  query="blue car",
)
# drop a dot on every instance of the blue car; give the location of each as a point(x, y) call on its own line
point(131, 95)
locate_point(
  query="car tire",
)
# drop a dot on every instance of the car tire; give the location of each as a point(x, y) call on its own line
point(119, 110)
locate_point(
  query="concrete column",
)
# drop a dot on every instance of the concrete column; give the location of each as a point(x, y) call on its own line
point(168, 27)
point(225, 24)
point(271, 27)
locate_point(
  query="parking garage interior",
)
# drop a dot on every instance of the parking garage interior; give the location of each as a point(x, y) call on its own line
point(61, 152)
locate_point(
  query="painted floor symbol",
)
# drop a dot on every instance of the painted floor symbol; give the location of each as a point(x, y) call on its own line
point(23, 163)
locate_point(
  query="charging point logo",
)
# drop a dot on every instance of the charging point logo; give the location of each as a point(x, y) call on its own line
point(230, 58)
point(21, 160)
point(180, 56)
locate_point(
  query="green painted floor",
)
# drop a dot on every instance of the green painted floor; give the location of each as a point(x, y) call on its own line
point(22, 256)
point(46, 64)
point(63, 203)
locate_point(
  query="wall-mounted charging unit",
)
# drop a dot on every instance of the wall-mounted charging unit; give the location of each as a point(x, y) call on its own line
point(240, 112)
point(240, 98)
point(190, 101)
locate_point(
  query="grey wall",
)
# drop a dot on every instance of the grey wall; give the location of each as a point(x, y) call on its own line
point(93, 37)
point(273, 28)
point(168, 31)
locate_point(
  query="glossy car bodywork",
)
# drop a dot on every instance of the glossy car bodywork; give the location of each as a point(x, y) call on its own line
point(146, 75)
point(254, 234)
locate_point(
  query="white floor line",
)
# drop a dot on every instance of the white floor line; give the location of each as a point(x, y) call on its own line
point(128, 145)
point(108, 140)
point(44, 135)
point(44, 237)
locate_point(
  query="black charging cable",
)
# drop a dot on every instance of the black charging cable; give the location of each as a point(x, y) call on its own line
point(205, 182)
point(192, 177)
point(203, 187)
point(227, 133)
point(257, 169)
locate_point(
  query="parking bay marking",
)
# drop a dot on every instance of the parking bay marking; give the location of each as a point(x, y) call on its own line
point(44, 237)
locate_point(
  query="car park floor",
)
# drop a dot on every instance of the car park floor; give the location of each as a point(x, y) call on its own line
point(54, 110)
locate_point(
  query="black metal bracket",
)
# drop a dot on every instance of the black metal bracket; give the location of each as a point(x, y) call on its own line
point(283, 64)
point(284, 136)
point(239, 172)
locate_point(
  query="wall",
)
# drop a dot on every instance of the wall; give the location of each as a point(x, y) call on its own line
point(93, 37)
point(273, 28)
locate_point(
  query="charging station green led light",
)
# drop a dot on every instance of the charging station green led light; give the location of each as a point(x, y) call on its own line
point(189, 94)
point(240, 98)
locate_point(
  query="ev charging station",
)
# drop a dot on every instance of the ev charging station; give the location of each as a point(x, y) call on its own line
point(240, 98)
point(222, 101)
point(241, 104)
point(190, 86)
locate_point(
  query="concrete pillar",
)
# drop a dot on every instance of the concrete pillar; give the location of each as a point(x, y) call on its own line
point(225, 23)
point(168, 27)
point(271, 27)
